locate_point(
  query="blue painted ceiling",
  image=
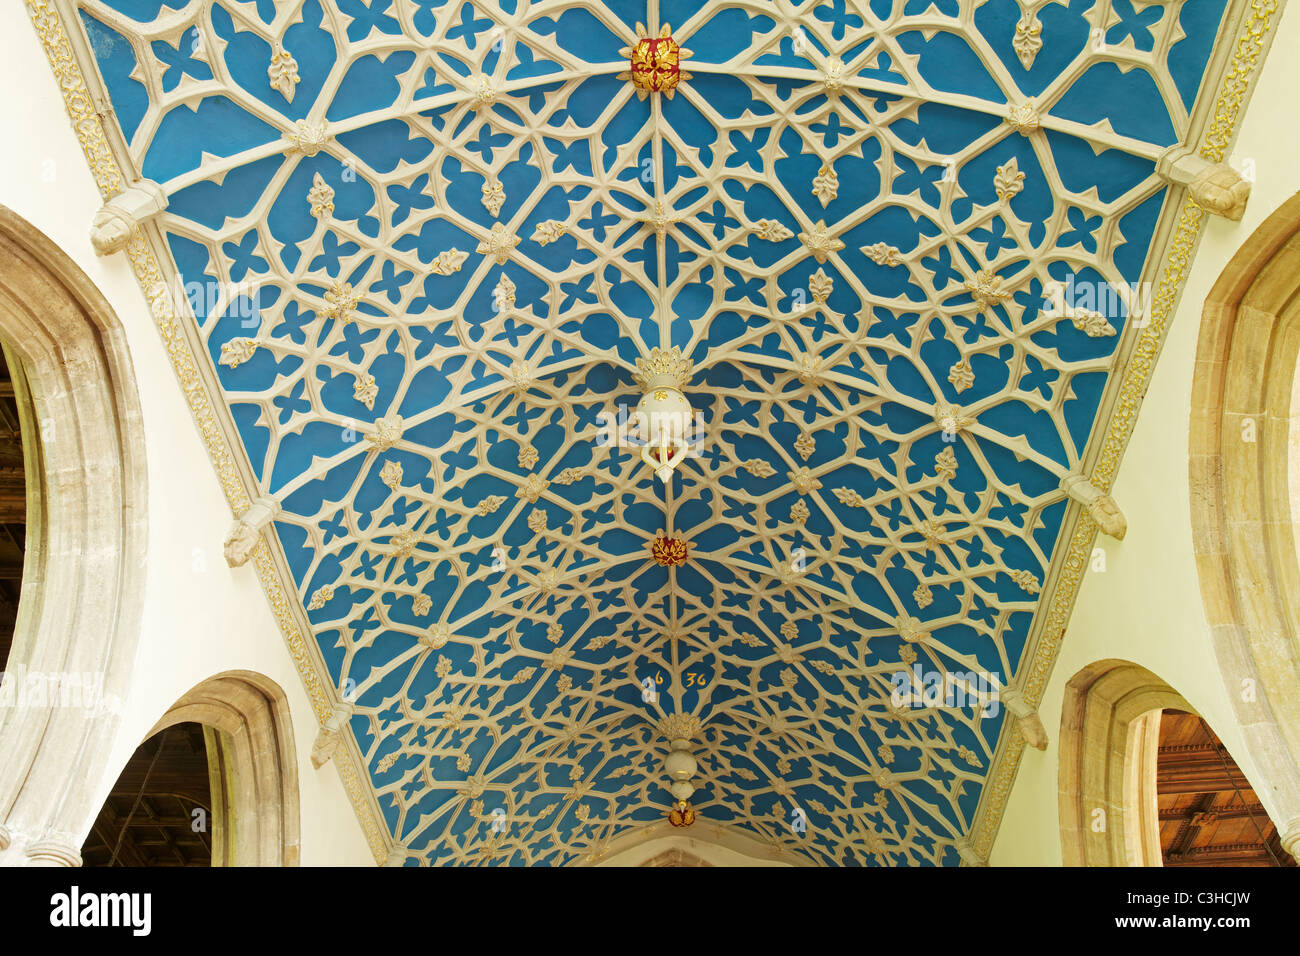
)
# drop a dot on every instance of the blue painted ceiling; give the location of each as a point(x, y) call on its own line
point(827, 217)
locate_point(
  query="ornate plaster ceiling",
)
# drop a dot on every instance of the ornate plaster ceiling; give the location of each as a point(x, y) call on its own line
point(460, 224)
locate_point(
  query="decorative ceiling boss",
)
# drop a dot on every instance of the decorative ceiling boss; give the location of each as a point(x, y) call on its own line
point(664, 417)
point(656, 62)
point(680, 765)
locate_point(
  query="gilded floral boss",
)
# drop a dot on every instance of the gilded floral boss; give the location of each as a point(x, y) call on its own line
point(655, 62)
point(669, 552)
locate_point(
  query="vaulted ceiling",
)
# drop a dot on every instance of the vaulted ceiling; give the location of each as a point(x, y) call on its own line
point(454, 227)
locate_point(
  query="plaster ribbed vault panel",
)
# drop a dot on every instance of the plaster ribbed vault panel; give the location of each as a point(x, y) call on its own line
point(459, 225)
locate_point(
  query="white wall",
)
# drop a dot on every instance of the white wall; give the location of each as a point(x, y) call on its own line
point(1146, 606)
point(200, 617)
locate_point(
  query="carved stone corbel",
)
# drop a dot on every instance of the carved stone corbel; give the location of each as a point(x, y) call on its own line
point(966, 850)
point(244, 533)
point(1027, 719)
point(331, 735)
point(1101, 506)
point(112, 226)
point(1215, 187)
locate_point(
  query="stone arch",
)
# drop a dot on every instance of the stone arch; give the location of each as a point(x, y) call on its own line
point(1107, 764)
point(676, 856)
point(659, 845)
point(254, 767)
point(83, 577)
point(1243, 532)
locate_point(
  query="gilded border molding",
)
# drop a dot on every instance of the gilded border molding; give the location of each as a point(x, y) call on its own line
point(107, 172)
point(76, 96)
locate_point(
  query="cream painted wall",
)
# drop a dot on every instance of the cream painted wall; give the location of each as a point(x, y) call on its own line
point(200, 617)
point(1146, 606)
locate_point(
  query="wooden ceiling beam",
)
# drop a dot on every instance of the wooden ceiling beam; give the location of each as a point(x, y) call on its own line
point(1219, 853)
point(1227, 859)
point(1225, 813)
point(1203, 783)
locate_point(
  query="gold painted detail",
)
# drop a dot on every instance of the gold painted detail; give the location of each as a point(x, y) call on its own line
point(499, 244)
point(1009, 180)
point(306, 139)
point(883, 254)
point(663, 367)
point(669, 552)
point(238, 351)
point(1023, 117)
point(1028, 40)
point(819, 242)
point(449, 261)
point(320, 197)
point(826, 185)
point(283, 72)
point(655, 63)
point(494, 196)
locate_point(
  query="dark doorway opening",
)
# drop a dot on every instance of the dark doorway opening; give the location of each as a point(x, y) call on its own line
point(159, 812)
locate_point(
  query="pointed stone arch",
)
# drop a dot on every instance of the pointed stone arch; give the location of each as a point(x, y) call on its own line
point(83, 577)
point(253, 764)
point(676, 856)
point(1106, 776)
point(701, 845)
point(1243, 528)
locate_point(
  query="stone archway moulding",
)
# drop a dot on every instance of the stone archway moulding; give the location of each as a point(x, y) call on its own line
point(709, 845)
point(1243, 533)
point(255, 780)
point(83, 580)
point(1104, 724)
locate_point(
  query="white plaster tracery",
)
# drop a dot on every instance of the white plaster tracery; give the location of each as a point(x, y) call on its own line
point(819, 591)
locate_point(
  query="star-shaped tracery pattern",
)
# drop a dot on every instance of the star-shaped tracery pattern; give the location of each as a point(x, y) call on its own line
point(426, 243)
